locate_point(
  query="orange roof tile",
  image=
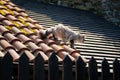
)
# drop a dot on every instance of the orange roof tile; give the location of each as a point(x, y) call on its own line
point(18, 35)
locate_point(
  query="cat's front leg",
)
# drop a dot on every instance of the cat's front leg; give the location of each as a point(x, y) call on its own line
point(64, 40)
point(72, 44)
point(55, 38)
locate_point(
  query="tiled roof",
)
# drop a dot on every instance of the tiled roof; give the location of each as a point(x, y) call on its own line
point(18, 35)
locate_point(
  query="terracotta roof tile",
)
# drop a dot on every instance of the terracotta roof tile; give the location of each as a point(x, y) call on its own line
point(19, 36)
point(1, 54)
point(9, 48)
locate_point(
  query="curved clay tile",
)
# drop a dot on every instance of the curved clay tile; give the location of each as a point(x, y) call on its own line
point(5, 12)
point(20, 25)
point(8, 23)
point(2, 18)
point(15, 13)
point(61, 52)
point(30, 25)
point(6, 9)
point(3, 30)
point(9, 7)
point(22, 18)
point(21, 31)
point(1, 54)
point(10, 3)
point(1, 49)
point(16, 43)
point(14, 7)
point(3, 2)
point(10, 37)
point(33, 23)
point(24, 14)
point(11, 17)
point(47, 50)
point(14, 21)
point(18, 9)
point(31, 20)
point(9, 48)
point(22, 48)
point(35, 49)
point(74, 52)
point(39, 26)
point(2, 7)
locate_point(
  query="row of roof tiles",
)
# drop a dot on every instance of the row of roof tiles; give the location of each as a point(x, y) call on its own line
point(18, 35)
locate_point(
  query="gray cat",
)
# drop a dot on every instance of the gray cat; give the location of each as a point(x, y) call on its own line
point(65, 34)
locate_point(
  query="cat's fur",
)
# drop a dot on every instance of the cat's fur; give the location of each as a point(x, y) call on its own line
point(65, 34)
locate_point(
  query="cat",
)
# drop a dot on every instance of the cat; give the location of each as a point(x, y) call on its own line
point(64, 34)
